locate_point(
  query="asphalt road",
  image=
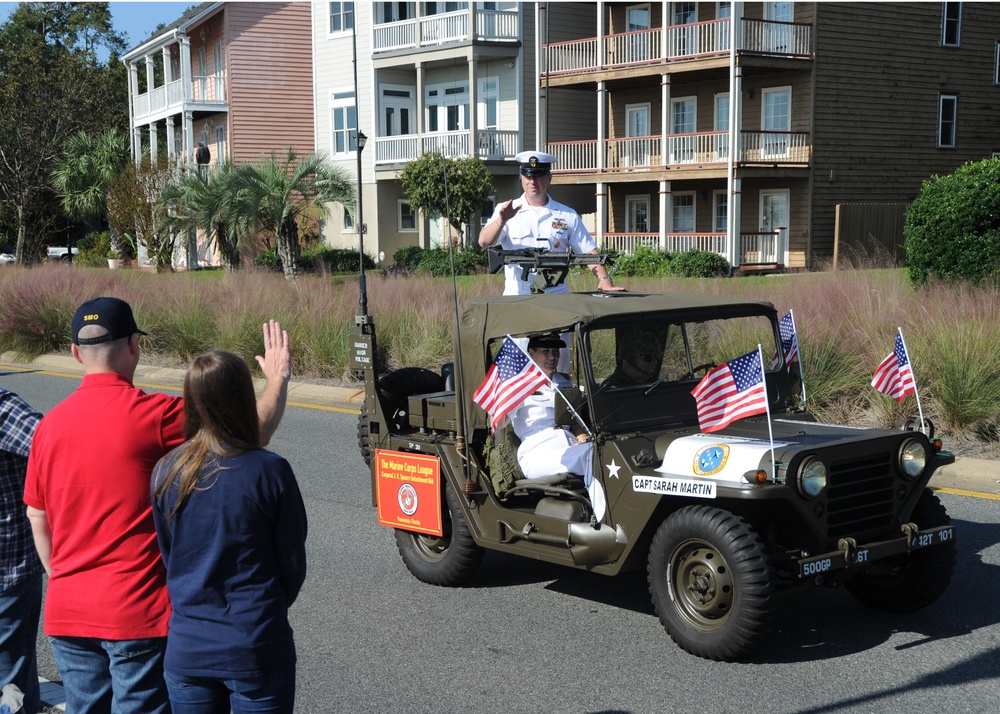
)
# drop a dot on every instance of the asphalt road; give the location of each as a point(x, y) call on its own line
point(528, 636)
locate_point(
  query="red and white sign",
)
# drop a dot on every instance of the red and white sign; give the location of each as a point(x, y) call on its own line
point(409, 491)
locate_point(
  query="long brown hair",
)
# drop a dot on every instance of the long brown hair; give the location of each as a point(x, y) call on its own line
point(220, 412)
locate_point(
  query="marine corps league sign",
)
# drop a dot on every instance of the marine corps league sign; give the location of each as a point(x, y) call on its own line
point(409, 491)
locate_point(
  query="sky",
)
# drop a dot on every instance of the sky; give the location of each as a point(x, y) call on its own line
point(136, 20)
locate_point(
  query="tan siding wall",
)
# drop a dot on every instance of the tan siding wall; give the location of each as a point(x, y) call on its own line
point(270, 78)
point(879, 72)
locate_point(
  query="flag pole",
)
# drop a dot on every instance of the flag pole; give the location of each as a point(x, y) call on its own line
point(916, 393)
point(798, 348)
point(767, 409)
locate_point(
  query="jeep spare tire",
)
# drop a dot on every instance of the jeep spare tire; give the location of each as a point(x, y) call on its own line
point(396, 388)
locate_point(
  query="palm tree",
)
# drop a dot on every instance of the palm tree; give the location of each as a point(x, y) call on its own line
point(84, 173)
point(274, 194)
point(196, 201)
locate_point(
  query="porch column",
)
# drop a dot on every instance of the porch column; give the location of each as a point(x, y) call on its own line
point(167, 77)
point(170, 137)
point(665, 125)
point(600, 56)
point(150, 86)
point(666, 213)
point(153, 141)
point(602, 129)
point(664, 24)
point(186, 66)
point(421, 118)
point(734, 201)
point(133, 92)
point(602, 213)
point(541, 130)
point(473, 104)
point(187, 141)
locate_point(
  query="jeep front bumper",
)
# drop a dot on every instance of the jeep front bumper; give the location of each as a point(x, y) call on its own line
point(852, 555)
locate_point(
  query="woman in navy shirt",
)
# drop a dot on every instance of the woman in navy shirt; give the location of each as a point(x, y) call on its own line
point(232, 528)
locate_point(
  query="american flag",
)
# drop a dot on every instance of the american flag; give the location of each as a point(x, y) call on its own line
point(894, 376)
point(513, 376)
point(789, 341)
point(731, 391)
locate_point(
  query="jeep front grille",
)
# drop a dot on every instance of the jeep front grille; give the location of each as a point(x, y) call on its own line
point(860, 496)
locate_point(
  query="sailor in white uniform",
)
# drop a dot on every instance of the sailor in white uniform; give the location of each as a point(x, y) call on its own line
point(536, 220)
point(547, 448)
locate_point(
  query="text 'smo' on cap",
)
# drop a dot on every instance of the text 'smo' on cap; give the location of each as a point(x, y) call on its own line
point(111, 313)
point(535, 163)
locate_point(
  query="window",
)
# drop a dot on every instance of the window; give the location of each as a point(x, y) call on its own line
point(407, 218)
point(220, 144)
point(721, 216)
point(683, 205)
point(947, 119)
point(951, 24)
point(343, 122)
point(348, 222)
point(341, 16)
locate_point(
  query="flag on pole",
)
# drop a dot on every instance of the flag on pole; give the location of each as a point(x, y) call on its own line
point(509, 381)
point(894, 376)
point(731, 391)
point(789, 341)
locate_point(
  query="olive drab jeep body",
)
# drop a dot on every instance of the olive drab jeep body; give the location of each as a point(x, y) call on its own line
point(724, 523)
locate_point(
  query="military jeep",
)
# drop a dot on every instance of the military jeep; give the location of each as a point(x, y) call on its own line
point(724, 523)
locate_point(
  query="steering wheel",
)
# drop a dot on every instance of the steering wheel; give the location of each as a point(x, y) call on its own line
point(693, 373)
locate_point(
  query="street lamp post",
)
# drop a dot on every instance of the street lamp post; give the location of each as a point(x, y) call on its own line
point(360, 141)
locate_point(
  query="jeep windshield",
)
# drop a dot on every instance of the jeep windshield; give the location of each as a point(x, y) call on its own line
point(642, 371)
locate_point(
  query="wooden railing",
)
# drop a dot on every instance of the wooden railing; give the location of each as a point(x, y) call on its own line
point(445, 27)
point(699, 39)
point(700, 149)
point(764, 248)
point(491, 144)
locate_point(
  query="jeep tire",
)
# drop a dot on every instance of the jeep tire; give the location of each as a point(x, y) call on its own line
point(449, 560)
point(710, 582)
point(911, 581)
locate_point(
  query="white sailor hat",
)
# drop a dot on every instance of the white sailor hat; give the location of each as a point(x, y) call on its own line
point(535, 163)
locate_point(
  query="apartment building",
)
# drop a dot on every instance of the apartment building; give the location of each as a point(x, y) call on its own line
point(234, 76)
point(457, 78)
point(751, 129)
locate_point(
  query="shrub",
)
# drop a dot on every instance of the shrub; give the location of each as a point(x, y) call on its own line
point(644, 262)
point(94, 249)
point(333, 260)
point(698, 264)
point(408, 256)
point(269, 260)
point(952, 228)
point(437, 261)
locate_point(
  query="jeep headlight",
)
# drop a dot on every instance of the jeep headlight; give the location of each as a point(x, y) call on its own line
point(912, 458)
point(812, 477)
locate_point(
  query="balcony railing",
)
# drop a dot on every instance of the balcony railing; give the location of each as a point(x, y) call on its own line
point(209, 89)
point(442, 28)
point(700, 39)
point(492, 144)
point(700, 149)
point(764, 248)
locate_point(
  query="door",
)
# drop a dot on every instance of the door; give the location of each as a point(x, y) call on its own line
point(773, 220)
point(637, 216)
point(397, 110)
point(488, 118)
point(637, 47)
point(636, 150)
point(684, 34)
point(776, 121)
point(779, 35)
point(682, 140)
point(722, 124)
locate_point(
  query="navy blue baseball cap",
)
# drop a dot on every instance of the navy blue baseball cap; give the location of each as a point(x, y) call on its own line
point(108, 312)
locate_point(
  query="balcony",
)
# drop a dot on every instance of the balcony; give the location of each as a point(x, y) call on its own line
point(764, 248)
point(655, 153)
point(205, 91)
point(492, 144)
point(434, 30)
point(678, 42)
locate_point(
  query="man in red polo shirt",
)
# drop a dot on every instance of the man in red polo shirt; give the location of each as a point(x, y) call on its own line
point(87, 492)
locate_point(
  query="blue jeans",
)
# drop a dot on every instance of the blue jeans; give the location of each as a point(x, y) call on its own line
point(272, 691)
point(20, 608)
point(112, 676)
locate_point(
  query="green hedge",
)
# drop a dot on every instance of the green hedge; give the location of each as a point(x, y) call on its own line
point(437, 261)
point(330, 260)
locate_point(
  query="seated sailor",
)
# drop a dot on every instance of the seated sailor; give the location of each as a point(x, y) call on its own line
point(546, 447)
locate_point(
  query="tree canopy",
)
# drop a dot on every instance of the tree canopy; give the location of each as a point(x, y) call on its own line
point(454, 188)
point(52, 85)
